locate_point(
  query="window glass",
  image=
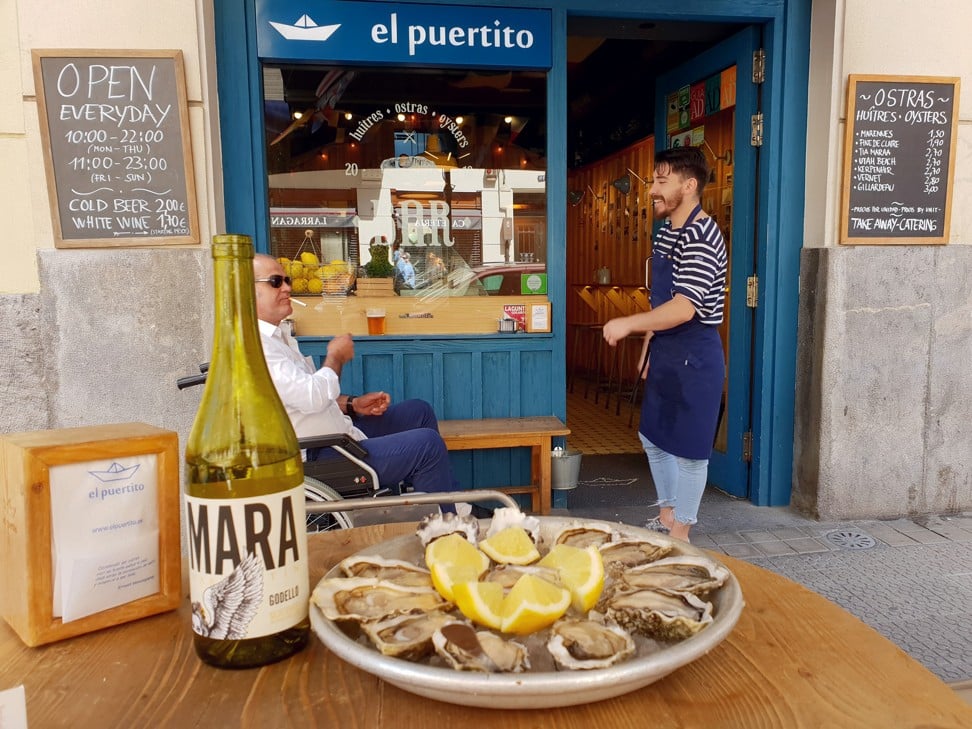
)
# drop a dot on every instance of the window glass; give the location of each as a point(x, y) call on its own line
point(434, 178)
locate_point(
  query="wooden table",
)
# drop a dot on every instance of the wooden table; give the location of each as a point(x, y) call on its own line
point(794, 660)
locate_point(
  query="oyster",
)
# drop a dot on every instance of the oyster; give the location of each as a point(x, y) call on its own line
point(364, 599)
point(660, 615)
point(628, 552)
point(467, 650)
point(392, 570)
point(508, 516)
point(586, 644)
point(438, 525)
point(684, 573)
point(508, 574)
point(406, 636)
point(582, 534)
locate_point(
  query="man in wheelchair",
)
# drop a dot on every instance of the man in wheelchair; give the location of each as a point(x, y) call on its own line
point(403, 441)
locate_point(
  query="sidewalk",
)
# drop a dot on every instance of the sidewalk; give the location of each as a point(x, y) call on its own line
point(909, 579)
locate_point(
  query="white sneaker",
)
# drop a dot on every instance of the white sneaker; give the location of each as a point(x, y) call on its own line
point(656, 525)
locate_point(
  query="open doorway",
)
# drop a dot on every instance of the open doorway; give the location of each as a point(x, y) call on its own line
point(635, 86)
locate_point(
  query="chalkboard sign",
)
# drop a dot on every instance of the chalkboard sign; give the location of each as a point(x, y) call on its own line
point(115, 127)
point(899, 154)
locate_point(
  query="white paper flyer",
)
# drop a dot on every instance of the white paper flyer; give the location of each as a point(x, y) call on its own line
point(105, 534)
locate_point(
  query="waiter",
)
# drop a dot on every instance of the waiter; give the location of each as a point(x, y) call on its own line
point(687, 367)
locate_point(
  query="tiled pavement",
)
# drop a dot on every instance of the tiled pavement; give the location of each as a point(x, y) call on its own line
point(909, 579)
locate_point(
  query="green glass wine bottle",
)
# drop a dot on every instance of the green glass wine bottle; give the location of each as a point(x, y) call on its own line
point(245, 514)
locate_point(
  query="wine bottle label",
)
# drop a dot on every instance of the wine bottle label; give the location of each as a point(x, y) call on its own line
point(247, 564)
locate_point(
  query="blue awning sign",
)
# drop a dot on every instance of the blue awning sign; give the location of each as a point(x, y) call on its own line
point(375, 32)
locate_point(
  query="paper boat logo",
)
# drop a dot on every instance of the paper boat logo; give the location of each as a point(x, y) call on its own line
point(115, 472)
point(305, 29)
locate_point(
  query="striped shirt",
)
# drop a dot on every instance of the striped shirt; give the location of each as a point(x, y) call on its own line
point(698, 254)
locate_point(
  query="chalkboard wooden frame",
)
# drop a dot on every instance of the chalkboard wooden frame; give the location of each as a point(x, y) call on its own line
point(147, 217)
point(897, 211)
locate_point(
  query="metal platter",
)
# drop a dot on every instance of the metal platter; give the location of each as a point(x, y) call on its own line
point(531, 690)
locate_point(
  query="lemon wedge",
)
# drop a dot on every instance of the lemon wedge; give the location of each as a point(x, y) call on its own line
point(581, 570)
point(481, 602)
point(453, 559)
point(532, 605)
point(511, 546)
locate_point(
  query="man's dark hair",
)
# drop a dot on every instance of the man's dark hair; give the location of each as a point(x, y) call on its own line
point(686, 161)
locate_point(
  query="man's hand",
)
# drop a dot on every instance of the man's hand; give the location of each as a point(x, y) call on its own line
point(372, 403)
point(340, 351)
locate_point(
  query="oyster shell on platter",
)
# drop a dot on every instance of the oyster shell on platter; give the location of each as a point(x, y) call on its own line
point(587, 644)
point(628, 552)
point(466, 649)
point(398, 571)
point(509, 516)
point(581, 534)
point(508, 574)
point(683, 573)
point(659, 615)
point(406, 636)
point(364, 599)
point(439, 525)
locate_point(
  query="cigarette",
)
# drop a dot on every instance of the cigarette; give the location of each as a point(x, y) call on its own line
point(298, 302)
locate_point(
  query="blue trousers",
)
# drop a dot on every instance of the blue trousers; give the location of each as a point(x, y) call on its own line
point(404, 445)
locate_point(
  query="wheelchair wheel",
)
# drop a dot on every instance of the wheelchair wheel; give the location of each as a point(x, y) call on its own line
point(314, 490)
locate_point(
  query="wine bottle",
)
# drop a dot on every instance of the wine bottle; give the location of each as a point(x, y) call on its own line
point(245, 514)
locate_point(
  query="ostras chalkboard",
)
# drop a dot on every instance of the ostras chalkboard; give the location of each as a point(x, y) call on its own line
point(899, 154)
point(115, 126)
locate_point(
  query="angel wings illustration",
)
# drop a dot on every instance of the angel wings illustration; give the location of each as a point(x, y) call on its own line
point(228, 606)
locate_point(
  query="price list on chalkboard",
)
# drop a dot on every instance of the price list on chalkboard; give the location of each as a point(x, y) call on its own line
point(898, 159)
point(116, 132)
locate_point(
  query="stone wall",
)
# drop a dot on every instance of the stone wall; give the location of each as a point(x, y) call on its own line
point(883, 423)
point(106, 339)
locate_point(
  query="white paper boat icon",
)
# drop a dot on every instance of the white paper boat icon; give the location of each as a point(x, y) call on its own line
point(305, 29)
point(115, 472)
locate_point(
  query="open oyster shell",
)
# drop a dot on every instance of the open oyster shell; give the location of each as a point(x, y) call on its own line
point(587, 644)
point(465, 649)
point(406, 636)
point(623, 554)
point(581, 534)
point(684, 573)
point(656, 614)
point(364, 599)
point(391, 570)
point(508, 516)
point(508, 574)
point(438, 525)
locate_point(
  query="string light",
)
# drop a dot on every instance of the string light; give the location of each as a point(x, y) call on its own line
point(348, 115)
point(298, 114)
point(508, 120)
point(401, 117)
point(460, 120)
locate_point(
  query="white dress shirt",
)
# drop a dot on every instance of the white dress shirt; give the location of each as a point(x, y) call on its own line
point(310, 396)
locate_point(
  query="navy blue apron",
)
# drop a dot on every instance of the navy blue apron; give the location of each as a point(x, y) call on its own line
point(686, 372)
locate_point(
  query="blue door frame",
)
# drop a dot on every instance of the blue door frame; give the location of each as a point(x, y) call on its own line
point(780, 197)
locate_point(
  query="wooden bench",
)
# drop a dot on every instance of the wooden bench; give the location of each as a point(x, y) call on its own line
point(532, 432)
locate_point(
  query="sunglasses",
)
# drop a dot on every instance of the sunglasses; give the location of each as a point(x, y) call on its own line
point(276, 281)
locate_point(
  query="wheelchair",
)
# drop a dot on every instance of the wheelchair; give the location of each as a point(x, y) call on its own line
point(334, 488)
point(327, 481)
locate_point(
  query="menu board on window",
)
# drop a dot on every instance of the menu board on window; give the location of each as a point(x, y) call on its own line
point(899, 156)
point(115, 128)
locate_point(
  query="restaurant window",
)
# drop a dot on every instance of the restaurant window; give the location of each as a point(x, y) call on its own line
point(442, 171)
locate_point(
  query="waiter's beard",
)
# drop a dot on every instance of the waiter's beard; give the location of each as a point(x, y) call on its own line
point(664, 207)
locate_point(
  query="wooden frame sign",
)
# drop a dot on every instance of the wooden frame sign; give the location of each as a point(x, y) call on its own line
point(115, 132)
point(90, 528)
point(899, 159)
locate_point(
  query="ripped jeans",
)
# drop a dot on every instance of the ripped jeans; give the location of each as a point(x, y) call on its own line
point(678, 481)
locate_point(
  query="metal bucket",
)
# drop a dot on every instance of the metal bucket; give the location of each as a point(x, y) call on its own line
point(565, 468)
